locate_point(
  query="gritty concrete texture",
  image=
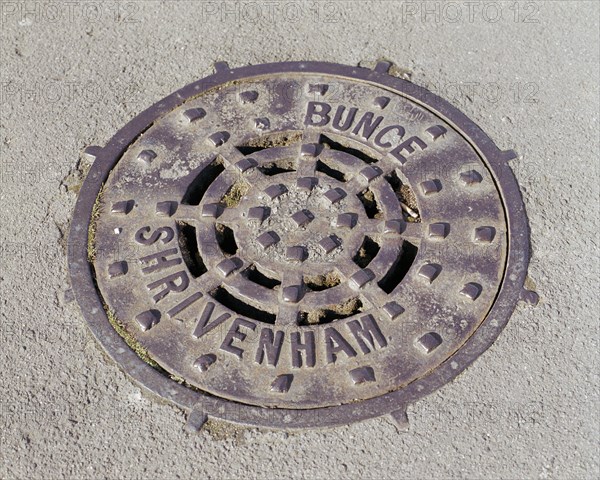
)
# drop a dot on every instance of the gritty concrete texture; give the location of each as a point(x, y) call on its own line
point(72, 75)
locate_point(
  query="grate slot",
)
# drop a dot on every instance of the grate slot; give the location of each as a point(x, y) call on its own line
point(367, 198)
point(325, 140)
point(331, 313)
point(188, 245)
point(204, 178)
point(403, 192)
point(253, 274)
point(399, 268)
point(318, 283)
point(269, 141)
point(226, 239)
point(330, 171)
point(366, 253)
point(277, 168)
point(225, 298)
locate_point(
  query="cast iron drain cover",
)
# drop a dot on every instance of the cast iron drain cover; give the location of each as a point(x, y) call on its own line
point(298, 245)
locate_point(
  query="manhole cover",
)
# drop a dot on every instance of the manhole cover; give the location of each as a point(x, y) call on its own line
point(298, 244)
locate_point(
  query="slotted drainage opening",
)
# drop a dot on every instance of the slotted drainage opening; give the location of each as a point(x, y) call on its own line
point(318, 283)
point(331, 313)
point(399, 268)
point(366, 253)
point(275, 168)
point(280, 139)
point(203, 179)
point(226, 239)
point(355, 152)
point(367, 198)
point(332, 172)
point(188, 245)
point(253, 274)
point(404, 194)
point(221, 295)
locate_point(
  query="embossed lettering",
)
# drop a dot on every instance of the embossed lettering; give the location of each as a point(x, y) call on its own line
point(318, 114)
point(181, 306)
point(367, 124)
point(271, 344)
point(177, 282)
point(141, 238)
point(337, 119)
point(407, 146)
point(321, 114)
point(308, 347)
point(369, 331)
point(378, 139)
point(335, 343)
point(161, 260)
point(235, 334)
point(203, 327)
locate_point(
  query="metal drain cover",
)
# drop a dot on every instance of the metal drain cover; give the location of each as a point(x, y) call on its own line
point(329, 242)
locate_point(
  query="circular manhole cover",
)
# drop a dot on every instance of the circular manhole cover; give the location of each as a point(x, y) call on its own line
point(328, 242)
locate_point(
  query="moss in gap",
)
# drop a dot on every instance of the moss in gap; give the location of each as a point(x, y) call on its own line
point(220, 431)
point(96, 211)
point(130, 340)
point(322, 282)
point(139, 350)
point(234, 195)
point(332, 312)
point(275, 140)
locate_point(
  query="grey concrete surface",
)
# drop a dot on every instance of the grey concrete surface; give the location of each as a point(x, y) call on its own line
point(72, 73)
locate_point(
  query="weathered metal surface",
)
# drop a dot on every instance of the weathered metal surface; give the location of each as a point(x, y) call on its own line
point(327, 241)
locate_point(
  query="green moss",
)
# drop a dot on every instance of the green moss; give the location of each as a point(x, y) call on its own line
point(130, 340)
point(234, 195)
point(223, 431)
point(96, 211)
point(342, 310)
point(178, 379)
point(530, 284)
point(275, 140)
point(322, 282)
point(140, 351)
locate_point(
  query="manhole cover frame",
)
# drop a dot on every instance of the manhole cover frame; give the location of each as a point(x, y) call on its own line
point(202, 405)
